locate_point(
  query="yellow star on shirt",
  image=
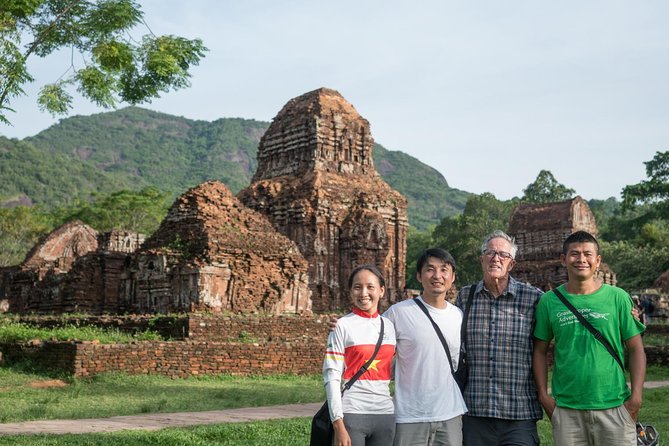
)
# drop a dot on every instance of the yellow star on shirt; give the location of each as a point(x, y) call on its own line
point(372, 366)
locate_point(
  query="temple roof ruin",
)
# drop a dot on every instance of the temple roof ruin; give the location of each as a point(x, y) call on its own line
point(212, 253)
point(539, 230)
point(318, 131)
point(208, 221)
point(317, 184)
point(58, 249)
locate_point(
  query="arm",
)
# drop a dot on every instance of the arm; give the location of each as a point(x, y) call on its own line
point(540, 370)
point(333, 367)
point(637, 366)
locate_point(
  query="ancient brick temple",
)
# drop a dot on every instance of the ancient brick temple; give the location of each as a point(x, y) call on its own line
point(539, 231)
point(317, 184)
point(72, 269)
point(212, 253)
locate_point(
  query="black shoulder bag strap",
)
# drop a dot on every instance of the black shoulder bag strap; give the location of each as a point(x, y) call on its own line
point(439, 333)
point(465, 317)
point(364, 367)
point(590, 328)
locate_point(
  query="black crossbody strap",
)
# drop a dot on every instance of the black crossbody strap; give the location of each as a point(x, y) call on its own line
point(465, 317)
point(596, 333)
point(438, 330)
point(364, 367)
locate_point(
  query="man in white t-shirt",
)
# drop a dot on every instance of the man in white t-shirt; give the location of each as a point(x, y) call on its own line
point(428, 402)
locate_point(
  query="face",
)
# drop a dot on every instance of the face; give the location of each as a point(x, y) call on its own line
point(366, 291)
point(436, 276)
point(496, 261)
point(581, 261)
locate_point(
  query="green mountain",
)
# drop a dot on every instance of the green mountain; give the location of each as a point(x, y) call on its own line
point(133, 148)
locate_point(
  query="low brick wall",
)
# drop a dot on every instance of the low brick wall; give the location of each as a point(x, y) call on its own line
point(238, 345)
point(659, 329)
point(657, 355)
point(173, 358)
point(220, 328)
point(217, 344)
point(258, 328)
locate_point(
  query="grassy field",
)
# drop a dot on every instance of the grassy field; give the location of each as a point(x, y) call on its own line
point(29, 395)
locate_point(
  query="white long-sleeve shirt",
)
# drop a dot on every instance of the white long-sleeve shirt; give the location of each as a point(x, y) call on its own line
point(350, 345)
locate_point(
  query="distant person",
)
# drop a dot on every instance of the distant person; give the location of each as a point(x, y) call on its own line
point(500, 392)
point(590, 403)
point(641, 311)
point(364, 416)
point(648, 308)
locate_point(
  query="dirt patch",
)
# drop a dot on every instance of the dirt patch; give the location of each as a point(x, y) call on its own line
point(48, 383)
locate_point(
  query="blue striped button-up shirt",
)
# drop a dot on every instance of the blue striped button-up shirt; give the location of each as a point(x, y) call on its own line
point(499, 352)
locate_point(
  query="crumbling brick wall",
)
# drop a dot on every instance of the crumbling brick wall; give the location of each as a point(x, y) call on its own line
point(231, 345)
point(211, 253)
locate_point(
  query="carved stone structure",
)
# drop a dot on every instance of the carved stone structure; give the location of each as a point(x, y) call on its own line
point(212, 253)
point(317, 184)
point(73, 269)
point(58, 250)
point(539, 231)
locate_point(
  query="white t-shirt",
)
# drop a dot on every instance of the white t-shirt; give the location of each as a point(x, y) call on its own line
point(425, 390)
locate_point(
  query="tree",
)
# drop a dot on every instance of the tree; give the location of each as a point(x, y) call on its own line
point(128, 210)
point(417, 242)
point(20, 229)
point(654, 190)
point(636, 266)
point(546, 189)
point(115, 67)
point(462, 235)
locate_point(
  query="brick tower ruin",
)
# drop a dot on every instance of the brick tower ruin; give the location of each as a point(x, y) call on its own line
point(539, 230)
point(212, 253)
point(72, 269)
point(317, 184)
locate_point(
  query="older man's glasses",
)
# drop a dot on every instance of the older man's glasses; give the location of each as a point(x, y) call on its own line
point(503, 255)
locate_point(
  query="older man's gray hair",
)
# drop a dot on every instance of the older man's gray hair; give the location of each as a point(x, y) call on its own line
point(505, 236)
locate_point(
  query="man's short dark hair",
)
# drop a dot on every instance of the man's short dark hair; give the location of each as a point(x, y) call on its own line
point(437, 253)
point(579, 237)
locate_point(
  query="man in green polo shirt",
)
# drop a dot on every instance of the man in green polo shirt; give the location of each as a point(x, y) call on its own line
point(590, 403)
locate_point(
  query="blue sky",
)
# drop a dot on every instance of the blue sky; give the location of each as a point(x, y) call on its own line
point(487, 92)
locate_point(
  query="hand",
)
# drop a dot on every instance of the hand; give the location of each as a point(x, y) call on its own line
point(341, 437)
point(332, 323)
point(635, 313)
point(548, 403)
point(633, 404)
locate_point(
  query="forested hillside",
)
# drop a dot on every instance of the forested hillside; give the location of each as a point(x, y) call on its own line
point(134, 148)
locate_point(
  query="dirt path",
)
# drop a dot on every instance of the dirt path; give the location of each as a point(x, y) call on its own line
point(159, 420)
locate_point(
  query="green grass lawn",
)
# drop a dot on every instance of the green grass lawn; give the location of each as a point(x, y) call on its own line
point(22, 398)
point(117, 394)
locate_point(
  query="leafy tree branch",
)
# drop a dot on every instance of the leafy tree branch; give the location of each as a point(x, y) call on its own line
point(116, 68)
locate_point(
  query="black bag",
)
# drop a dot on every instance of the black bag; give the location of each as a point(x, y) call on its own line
point(322, 432)
point(646, 435)
point(461, 374)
